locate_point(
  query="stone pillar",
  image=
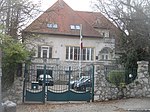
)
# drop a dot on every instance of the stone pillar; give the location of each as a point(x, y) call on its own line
point(142, 71)
point(143, 78)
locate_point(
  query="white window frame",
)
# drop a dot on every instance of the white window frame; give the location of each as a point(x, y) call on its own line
point(52, 25)
point(105, 56)
point(78, 27)
point(55, 26)
point(75, 27)
point(72, 27)
point(86, 49)
point(42, 51)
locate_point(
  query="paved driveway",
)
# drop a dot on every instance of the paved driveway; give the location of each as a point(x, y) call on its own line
point(125, 105)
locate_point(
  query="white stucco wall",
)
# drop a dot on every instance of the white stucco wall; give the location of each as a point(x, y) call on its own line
point(59, 44)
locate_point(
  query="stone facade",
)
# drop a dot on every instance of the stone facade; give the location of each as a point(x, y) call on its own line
point(103, 89)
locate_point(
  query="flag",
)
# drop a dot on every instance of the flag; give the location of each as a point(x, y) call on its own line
point(81, 43)
point(81, 47)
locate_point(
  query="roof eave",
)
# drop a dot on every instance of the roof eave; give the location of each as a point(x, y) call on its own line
point(62, 34)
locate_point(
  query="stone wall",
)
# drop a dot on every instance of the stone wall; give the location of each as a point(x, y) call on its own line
point(103, 89)
point(15, 92)
point(139, 88)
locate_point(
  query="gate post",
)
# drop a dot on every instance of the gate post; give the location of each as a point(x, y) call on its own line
point(44, 81)
point(93, 83)
point(24, 80)
point(69, 78)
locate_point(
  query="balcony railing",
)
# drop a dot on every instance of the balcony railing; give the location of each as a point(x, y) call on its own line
point(108, 40)
point(47, 60)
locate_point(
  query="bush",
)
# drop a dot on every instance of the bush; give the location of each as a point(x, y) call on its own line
point(13, 55)
point(117, 77)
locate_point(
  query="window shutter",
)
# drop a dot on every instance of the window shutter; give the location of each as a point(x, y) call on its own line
point(39, 51)
point(50, 52)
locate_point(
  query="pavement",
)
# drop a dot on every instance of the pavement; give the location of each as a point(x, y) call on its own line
point(123, 105)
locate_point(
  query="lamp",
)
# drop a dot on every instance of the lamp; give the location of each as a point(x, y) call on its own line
point(130, 76)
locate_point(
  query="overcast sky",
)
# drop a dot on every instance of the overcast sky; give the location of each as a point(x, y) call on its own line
point(81, 5)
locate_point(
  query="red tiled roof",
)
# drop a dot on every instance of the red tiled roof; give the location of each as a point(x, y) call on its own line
point(64, 16)
point(96, 19)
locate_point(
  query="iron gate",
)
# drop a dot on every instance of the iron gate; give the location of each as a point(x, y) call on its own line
point(58, 83)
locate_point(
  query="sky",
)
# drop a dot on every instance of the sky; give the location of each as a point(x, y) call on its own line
point(80, 5)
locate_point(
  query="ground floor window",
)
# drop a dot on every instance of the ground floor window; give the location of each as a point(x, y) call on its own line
point(73, 53)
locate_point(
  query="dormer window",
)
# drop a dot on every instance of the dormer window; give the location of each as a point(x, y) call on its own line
point(78, 27)
point(75, 27)
point(52, 25)
point(72, 27)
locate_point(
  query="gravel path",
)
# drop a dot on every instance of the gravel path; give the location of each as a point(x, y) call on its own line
point(110, 106)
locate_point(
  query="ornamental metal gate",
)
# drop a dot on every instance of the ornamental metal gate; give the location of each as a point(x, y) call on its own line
point(58, 83)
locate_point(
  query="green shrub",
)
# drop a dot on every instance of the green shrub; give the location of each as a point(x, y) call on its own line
point(117, 77)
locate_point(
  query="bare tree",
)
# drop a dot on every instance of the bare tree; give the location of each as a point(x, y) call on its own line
point(132, 17)
point(15, 14)
point(121, 12)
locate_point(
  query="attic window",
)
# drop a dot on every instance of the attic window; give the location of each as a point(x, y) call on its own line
point(52, 25)
point(75, 27)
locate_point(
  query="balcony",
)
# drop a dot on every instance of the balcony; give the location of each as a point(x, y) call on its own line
point(52, 61)
point(109, 40)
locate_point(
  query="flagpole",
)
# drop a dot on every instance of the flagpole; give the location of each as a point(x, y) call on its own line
point(80, 60)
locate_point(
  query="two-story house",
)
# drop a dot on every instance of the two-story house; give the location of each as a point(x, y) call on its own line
point(56, 36)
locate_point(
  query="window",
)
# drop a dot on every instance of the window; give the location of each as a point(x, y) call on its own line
point(52, 25)
point(72, 27)
point(75, 27)
point(55, 26)
point(67, 53)
point(103, 34)
point(76, 53)
point(73, 53)
point(44, 52)
point(84, 54)
point(104, 57)
point(88, 53)
point(105, 54)
point(78, 27)
point(92, 54)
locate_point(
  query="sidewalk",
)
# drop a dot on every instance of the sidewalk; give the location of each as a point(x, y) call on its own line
point(125, 105)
